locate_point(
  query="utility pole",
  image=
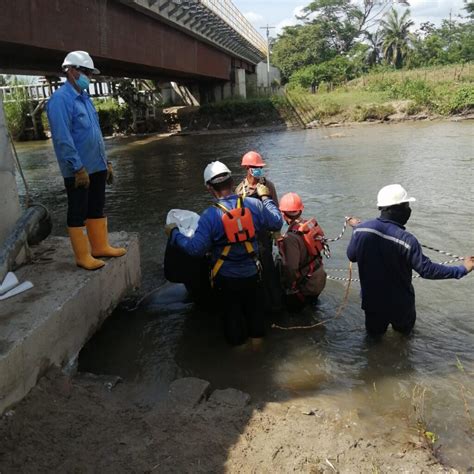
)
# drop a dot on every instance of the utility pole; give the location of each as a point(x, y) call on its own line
point(268, 28)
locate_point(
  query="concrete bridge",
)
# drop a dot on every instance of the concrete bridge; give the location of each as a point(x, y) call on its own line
point(204, 41)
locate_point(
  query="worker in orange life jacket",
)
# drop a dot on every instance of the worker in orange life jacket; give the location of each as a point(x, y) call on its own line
point(254, 164)
point(302, 271)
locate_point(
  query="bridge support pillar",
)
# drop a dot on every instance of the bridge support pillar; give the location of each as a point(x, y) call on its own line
point(10, 210)
point(240, 87)
point(251, 85)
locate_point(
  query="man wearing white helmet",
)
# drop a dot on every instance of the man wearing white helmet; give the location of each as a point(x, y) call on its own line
point(80, 152)
point(228, 231)
point(386, 255)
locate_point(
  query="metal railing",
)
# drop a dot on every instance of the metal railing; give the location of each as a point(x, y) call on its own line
point(232, 16)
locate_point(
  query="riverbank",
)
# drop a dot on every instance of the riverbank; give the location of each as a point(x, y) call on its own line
point(87, 422)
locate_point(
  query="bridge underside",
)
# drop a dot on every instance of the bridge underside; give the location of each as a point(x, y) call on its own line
point(35, 35)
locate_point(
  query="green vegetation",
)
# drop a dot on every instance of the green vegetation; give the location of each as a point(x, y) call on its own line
point(113, 117)
point(338, 40)
point(437, 90)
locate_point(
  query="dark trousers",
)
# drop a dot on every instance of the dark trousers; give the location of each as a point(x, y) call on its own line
point(377, 323)
point(240, 304)
point(85, 203)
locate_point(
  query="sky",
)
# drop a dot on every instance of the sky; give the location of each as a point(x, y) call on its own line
point(281, 13)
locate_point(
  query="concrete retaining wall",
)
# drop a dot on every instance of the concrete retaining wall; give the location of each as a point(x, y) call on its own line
point(9, 204)
point(49, 324)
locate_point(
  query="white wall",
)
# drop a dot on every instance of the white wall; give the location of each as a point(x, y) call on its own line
point(262, 74)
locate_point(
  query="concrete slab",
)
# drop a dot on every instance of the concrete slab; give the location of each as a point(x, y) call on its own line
point(49, 324)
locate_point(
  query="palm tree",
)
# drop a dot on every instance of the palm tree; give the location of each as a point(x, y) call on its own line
point(396, 37)
point(375, 44)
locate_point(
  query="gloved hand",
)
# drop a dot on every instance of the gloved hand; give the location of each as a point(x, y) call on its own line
point(169, 228)
point(81, 179)
point(263, 190)
point(276, 236)
point(110, 173)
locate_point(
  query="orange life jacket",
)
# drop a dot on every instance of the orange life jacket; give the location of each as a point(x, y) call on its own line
point(312, 234)
point(238, 228)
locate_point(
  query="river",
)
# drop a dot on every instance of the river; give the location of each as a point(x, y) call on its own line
point(337, 172)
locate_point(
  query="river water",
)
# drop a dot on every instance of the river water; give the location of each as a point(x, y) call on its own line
point(429, 376)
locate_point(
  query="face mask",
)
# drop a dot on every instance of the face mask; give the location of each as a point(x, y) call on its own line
point(83, 82)
point(257, 172)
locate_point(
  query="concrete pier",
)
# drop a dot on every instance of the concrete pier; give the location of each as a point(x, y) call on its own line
point(49, 324)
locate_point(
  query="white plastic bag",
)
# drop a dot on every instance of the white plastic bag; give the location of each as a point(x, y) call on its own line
point(186, 221)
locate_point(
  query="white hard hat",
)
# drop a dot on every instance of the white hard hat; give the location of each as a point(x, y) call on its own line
point(216, 172)
point(391, 195)
point(80, 58)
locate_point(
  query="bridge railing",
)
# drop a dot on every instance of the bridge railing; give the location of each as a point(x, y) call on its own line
point(231, 15)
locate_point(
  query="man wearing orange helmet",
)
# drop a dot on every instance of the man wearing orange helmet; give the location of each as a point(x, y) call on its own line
point(254, 164)
point(302, 272)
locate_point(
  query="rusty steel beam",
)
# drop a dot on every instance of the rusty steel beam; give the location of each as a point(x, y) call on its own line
point(35, 35)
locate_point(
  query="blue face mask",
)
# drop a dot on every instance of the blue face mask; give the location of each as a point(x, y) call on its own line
point(257, 172)
point(83, 82)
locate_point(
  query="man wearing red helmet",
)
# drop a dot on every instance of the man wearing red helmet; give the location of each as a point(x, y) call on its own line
point(302, 271)
point(254, 164)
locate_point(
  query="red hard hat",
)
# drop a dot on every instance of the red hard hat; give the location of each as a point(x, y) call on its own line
point(252, 158)
point(291, 202)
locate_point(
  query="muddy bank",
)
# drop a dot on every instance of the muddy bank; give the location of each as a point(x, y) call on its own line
point(88, 423)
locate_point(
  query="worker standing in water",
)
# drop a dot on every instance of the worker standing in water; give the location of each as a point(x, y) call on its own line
point(80, 152)
point(302, 270)
point(386, 255)
point(254, 165)
point(228, 230)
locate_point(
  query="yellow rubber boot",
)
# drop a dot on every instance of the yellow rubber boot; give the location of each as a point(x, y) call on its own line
point(99, 239)
point(80, 246)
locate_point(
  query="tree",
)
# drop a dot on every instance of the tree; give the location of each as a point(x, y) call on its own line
point(374, 50)
point(396, 35)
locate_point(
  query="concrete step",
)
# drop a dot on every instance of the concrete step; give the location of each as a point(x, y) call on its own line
point(49, 324)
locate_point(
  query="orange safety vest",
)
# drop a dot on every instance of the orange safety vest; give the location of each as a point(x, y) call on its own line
point(312, 234)
point(239, 229)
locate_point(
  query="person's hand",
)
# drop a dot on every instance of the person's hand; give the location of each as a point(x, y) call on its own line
point(469, 263)
point(276, 235)
point(263, 190)
point(81, 179)
point(353, 221)
point(110, 173)
point(169, 228)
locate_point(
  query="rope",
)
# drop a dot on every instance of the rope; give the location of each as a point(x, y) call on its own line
point(337, 315)
point(27, 190)
point(344, 227)
point(457, 257)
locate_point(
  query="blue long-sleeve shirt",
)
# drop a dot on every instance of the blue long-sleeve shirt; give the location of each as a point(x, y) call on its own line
point(76, 133)
point(210, 235)
point(386, 255)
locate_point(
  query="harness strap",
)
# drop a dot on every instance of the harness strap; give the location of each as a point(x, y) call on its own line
point(220, 262)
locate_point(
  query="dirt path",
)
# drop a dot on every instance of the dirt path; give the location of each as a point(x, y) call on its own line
point(80, 425)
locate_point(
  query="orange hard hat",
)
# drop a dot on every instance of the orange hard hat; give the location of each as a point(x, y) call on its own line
point(252, 158)
point(291, 202)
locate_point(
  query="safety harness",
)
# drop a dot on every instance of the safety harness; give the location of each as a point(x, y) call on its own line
point(239, 229)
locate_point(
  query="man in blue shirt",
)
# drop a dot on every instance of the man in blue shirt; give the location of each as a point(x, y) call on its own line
point(386, 255)
point(80, 152)
point(227, 230)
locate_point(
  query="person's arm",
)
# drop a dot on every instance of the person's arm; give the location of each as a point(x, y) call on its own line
point(60, 121)
point(271, 214)
point(273, 192)
point(291, 271)
point(430, 270)
point(201, 242)
point(352, 249)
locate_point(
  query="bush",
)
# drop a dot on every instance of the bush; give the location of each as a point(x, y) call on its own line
point(113, 117)
point(362, 113)
point(16, 114)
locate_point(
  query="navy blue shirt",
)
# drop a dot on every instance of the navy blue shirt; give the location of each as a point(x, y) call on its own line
point(210, 235)
point(75, 130)
point(386, 255)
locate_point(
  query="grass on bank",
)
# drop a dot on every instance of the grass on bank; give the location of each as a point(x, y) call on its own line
point(444, 91)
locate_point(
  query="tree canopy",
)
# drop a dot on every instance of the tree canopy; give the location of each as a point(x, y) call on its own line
point(362, 34)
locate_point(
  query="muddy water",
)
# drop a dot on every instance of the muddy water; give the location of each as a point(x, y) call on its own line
point(337, 172)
